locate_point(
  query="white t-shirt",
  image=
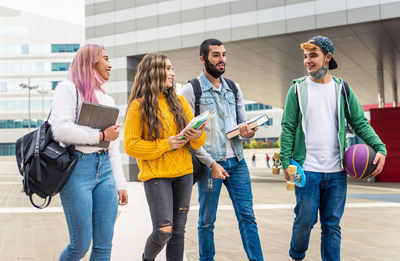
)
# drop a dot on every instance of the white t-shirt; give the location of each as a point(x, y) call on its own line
point(322, 141)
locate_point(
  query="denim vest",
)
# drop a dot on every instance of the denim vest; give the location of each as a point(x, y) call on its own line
point(223, 103)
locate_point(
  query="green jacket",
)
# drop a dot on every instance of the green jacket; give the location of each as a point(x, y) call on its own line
point(293, 145)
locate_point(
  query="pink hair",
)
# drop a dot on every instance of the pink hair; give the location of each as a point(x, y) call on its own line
point(81, 71)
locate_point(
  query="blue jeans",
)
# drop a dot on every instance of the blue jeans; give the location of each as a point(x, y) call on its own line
point(239, 188)
point(90, 202)
point(326, 192)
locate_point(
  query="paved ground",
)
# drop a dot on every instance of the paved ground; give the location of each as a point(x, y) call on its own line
point(370, 226)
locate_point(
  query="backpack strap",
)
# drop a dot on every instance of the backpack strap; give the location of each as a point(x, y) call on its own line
point(45, 203)
point(345, 93)
point(234, 89)
point(197, 95)
point(76, 107)
point(37, 155)
point(347, 113)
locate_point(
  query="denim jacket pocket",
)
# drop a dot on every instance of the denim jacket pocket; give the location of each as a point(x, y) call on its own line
point(232, 109)
point(206, 104)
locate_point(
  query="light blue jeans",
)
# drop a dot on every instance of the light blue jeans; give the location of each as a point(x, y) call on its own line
point(325, 192)
point(90, 202)
point(239, 188)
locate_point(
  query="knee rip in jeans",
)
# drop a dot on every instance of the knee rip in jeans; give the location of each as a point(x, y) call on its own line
point(206, 226)
point(183, 210)
point(163, 233)
point(166, 227)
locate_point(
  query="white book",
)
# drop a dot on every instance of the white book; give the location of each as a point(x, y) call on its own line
point(253, 123)
point(197, 122)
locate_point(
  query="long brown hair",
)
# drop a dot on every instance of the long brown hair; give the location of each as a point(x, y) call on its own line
point(150, 80)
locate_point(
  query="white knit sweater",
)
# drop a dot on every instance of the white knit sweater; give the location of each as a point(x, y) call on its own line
point(65, 130)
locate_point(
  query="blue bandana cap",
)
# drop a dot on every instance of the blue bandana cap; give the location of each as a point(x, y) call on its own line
point(326, 46)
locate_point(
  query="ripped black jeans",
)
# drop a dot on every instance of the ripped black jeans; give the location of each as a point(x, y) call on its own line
point(168, 200)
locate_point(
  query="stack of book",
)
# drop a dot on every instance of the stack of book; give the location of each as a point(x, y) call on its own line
point(199, 121)
point(252, 123)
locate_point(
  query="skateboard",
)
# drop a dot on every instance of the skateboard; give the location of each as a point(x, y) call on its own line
point(276, 165)
point(296, 174)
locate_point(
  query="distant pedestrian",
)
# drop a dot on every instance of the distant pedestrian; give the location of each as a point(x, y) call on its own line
point(253, 160)
point(267, 159)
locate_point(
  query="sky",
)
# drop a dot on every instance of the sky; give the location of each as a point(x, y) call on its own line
point(66, 10)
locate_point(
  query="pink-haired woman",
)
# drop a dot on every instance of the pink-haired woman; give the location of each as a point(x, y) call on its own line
point(90, 197)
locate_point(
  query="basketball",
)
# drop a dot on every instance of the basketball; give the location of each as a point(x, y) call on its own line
point(358, 161)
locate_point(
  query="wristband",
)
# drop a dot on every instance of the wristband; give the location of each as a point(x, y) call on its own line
point(212, 164)
point(104, 136)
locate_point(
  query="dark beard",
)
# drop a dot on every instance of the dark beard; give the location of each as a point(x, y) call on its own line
point(212, 70)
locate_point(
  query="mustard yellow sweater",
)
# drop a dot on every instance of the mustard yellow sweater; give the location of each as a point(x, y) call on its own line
point(155, 158)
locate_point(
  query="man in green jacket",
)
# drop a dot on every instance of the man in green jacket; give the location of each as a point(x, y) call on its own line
point(314, 135)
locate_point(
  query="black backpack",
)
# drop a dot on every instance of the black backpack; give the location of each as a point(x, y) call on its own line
point(44, 164)
point(198, 167)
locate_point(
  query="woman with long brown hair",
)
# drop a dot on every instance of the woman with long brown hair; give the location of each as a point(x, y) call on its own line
point(154, 121)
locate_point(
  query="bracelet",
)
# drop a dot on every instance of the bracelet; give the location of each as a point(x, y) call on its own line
point(104, 136)
point(212, 164)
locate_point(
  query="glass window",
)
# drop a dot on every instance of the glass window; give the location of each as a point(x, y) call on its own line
point(55, 67)
point(7, 149)
point(34, 123)
point(3, 149)
point(18, 105)
point(39, 67)
point(63, 48)
point(10, 124)
point(3, 86)
point(18, 124)
point(25, 123)
point(69, 48)
point(54, 84)
point(24, 48)
point(54, 48)
point(22, 67)
point(12, 148)
point(257, 106)
point(62, 67)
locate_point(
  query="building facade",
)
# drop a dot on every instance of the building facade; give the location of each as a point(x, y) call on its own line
point(261, 37)
point(35, 51)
